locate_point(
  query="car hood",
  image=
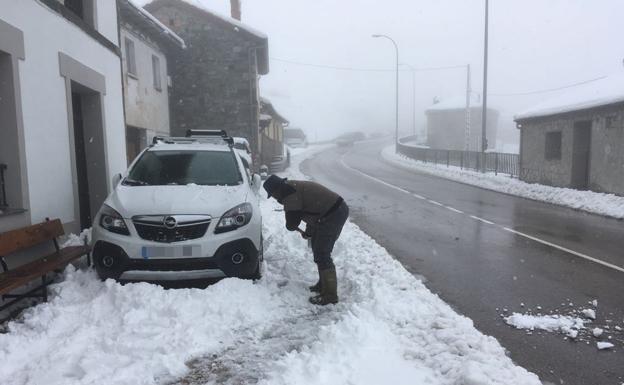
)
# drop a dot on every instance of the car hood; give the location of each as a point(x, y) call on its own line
point(176, 200)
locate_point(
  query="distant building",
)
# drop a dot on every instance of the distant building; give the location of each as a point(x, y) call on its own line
point(576, 140)
point(446, 125)
point(215, 80)
point(295, 137)
point(146, 47)
point(272, 128)
point(61, 110)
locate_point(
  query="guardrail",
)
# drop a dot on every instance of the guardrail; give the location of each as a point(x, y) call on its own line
point(3, 199)
point(499, 163)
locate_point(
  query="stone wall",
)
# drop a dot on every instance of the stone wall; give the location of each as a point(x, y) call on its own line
point(606, 161)
point(215, 80)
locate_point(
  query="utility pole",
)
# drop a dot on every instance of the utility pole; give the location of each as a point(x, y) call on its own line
point(485, 74)
point(468, 94)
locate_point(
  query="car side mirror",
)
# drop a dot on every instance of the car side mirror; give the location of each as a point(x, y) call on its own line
point(116, 179)
point(256, 182)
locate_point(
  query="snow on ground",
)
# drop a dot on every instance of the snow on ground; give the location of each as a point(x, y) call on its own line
point(593, 202)
point(78, 240)
point(388, 327)
point(568, 325)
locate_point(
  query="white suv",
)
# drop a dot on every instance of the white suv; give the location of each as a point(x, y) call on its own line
point(185, 209)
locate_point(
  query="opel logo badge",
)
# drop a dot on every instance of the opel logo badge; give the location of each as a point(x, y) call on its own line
point(170, 222)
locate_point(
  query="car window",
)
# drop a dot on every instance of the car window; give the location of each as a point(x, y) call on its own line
point(185, 167)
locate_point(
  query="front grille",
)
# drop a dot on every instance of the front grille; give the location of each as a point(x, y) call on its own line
point(153, 229)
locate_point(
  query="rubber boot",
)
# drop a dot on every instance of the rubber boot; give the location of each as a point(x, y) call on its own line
point(316, 288)
point(329, 288)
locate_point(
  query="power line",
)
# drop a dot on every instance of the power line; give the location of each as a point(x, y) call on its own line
point(550, 89)
point(425, 69)
point(355, 69)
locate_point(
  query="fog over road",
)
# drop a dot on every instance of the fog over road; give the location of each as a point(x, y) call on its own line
point(460, 239)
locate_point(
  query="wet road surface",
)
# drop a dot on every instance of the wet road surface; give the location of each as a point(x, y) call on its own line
point(459, 239)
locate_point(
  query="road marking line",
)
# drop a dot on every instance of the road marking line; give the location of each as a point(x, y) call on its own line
point(454, 210)
point(435, 203)
point(419, 196)
point(482, 220)
point(373, 178)
point(581, 255)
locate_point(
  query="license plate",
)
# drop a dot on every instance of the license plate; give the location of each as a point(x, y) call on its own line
point(189, 251)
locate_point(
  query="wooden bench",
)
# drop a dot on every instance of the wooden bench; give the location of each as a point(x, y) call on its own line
point(28, 237)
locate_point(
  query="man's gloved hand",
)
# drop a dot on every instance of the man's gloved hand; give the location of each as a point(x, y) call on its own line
point(305, 234)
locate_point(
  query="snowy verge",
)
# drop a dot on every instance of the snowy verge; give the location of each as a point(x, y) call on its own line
point(597, 203)
point(388, 327)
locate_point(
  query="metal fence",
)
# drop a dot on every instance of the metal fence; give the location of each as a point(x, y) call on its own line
point(472, 160)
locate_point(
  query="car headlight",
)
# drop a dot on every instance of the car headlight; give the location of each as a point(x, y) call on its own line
point(112, 221)
point(234, 218)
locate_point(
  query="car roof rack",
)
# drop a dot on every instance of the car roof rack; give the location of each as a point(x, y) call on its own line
point(197, 136)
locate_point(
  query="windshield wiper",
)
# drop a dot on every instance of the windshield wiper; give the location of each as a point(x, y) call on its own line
point(132, 182)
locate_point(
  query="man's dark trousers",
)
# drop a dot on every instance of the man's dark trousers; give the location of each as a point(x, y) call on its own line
point(325, 233)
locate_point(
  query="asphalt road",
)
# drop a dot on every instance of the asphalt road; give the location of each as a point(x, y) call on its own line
point(453, 236)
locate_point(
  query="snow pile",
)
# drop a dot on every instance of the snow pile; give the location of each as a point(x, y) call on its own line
point(78, 240)
point(604, 345)
point(568, 325)
point(388, 327)
point(593, 202)
point(589, 313)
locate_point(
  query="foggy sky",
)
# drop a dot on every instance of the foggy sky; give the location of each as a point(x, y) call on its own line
point(534, 45)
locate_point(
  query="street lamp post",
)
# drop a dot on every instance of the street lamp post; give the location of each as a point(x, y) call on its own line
point(413, 70)
point(396, 128)
point(485, 74)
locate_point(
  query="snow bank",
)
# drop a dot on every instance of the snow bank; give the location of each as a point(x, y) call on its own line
point(388, 327)
point(598, 203)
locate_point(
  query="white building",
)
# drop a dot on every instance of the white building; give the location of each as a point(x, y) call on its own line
point(61, 107)
point(146, 45)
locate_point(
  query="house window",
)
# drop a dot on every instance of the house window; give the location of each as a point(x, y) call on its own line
point(130, 57)
point(156, 72)
point(10, 176)
point(553, 145)
point(84, 9)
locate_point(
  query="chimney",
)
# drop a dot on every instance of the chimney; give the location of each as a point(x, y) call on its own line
point(235, 8)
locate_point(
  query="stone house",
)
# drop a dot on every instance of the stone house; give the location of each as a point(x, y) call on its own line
point(147, 46)
point(215, 80)
point(576, 140)
point(446, 125)
point(272, 132)
point(61, 103)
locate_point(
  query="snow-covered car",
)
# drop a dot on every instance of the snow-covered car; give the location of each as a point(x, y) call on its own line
point(241, 146)
point(185, 209)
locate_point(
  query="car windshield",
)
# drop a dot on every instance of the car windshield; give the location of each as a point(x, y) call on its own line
point(156, 168)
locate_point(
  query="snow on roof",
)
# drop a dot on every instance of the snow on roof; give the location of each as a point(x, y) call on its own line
point(270, 111)
point(455, 103)
point(166, 30)
point(601, 92)
point(234, 22)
